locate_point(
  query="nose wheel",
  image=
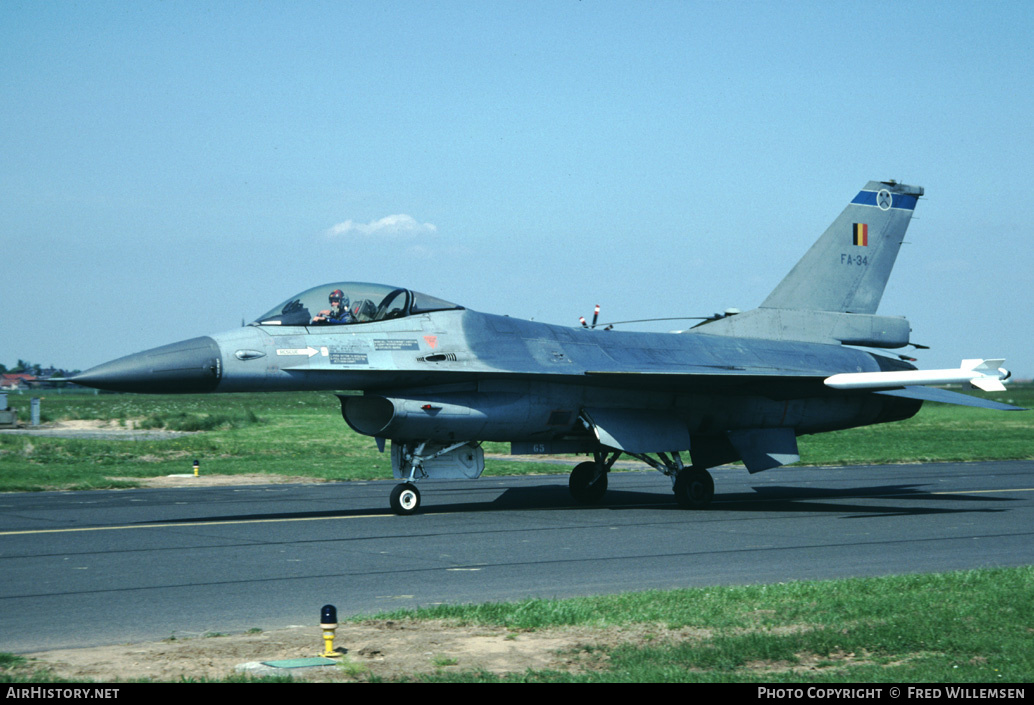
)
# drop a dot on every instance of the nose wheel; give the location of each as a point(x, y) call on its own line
point(405, 499)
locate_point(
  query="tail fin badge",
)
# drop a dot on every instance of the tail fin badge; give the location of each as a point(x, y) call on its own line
point(884, 200)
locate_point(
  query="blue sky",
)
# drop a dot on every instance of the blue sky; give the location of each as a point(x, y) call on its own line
point(169, 169)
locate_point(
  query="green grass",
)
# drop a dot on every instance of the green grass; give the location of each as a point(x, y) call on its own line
point(285, 434)
point(938, 433)
point(8, 661)
point(968, 626)
point(303, 435)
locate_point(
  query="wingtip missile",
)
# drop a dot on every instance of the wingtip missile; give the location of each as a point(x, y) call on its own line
point(986, 375)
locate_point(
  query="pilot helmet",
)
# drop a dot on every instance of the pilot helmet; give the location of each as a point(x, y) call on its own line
point(336, 296)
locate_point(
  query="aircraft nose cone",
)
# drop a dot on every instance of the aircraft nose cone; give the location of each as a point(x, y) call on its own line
point(187, 367)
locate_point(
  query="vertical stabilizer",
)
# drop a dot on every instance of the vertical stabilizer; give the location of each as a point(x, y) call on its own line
point(847, 269)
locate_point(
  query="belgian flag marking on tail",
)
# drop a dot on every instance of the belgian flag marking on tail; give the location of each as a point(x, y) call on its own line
point(861, 234)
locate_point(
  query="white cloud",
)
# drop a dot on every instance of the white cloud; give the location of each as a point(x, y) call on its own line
point(399, 226)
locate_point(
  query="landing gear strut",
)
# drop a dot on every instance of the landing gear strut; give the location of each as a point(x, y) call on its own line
point(413, 461)
point(693, 485)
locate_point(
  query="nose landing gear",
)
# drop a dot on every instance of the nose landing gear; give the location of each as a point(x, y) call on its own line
point(405, 499)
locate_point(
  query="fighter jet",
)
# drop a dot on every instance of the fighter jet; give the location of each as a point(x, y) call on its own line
point(437, 379)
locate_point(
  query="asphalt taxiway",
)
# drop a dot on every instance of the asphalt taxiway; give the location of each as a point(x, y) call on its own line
point(104, 567)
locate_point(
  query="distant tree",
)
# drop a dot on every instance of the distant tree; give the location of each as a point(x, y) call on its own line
point(23, 366)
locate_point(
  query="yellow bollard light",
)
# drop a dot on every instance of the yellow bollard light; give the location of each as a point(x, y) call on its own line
point(328, 623)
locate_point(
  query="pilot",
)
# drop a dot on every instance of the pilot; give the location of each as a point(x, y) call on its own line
point(338, 312)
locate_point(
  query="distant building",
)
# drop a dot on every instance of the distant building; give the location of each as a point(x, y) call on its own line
point(17, 381)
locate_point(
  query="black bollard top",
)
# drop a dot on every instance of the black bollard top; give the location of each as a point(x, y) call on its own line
point(328, 614)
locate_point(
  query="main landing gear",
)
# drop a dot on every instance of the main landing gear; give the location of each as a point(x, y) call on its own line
point(588, 481)
point(693, 486)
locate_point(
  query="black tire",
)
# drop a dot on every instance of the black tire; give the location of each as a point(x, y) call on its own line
point(405, 499)
point(585, 487)
point(694, 488)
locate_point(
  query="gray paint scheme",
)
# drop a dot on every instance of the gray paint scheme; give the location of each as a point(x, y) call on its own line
point(438, 382)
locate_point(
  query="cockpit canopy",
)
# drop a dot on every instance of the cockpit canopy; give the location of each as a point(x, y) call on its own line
point(351, 303)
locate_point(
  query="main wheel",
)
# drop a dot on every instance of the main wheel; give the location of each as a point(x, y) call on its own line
point(585, 486)
point(405, 499)
point(694, 488)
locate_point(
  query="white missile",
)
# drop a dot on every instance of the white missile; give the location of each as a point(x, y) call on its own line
point(980, 374)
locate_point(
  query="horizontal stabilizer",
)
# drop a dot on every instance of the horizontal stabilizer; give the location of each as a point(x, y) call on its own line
point(948, 397)
point(765, 448)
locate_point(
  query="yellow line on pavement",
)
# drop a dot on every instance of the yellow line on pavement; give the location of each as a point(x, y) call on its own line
point(176, 525)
